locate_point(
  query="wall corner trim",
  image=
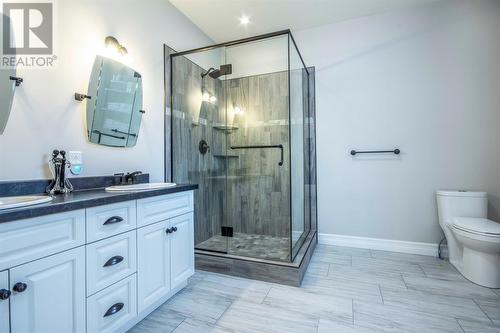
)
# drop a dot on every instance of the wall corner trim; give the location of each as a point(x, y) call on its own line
point(426, 249)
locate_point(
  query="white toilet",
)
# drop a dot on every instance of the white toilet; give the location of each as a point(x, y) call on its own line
point(473, 240)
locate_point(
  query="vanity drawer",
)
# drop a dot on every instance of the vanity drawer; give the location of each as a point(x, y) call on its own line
point(25, 240)
point(156, 209)
point(110, 220)
point(113, 307)
point(110, 260)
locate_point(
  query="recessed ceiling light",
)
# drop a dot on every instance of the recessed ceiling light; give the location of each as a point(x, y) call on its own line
point(244, 20)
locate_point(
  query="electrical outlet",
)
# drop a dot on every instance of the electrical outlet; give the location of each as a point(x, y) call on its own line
point(75, 157)
point(76, 160)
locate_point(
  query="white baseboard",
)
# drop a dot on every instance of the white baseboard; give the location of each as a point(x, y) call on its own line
point(426, 249)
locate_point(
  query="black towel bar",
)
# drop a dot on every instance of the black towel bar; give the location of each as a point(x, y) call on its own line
point(395, 151)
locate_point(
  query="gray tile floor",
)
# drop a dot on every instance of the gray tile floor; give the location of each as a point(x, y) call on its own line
point(345, 291)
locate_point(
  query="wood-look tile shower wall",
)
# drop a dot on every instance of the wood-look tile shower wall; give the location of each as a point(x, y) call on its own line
point(258, 188)
point(245, 189)
point(194, 120)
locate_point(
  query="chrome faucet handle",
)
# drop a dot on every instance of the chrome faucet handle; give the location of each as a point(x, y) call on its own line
point(130, 178)
point(120, 177)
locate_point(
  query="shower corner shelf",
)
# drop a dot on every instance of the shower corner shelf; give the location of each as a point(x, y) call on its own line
point(226, 128)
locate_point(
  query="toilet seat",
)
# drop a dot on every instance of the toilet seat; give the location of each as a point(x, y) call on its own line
point(478, 226)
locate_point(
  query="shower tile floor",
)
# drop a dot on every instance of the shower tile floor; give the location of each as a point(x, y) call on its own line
point(249, 245)
point(345, 290)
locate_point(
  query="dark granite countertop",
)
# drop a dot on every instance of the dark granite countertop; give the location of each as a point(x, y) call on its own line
point(84, 199)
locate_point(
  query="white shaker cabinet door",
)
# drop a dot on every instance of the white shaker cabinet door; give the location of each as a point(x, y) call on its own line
point(48, 295)
point(153, 264)
point(181, 247)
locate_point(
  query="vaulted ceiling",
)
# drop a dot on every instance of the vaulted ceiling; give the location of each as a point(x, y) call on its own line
point(220, 19)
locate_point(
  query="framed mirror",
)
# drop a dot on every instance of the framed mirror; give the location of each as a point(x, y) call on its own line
point(114, 104)
point(8, 83)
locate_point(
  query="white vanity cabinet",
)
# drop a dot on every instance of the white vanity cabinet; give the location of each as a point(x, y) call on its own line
point(165, 251)
point(48, 295)
point(100, 269)
point(44, 259)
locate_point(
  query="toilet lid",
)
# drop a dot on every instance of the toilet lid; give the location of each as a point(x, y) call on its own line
point(477, 225)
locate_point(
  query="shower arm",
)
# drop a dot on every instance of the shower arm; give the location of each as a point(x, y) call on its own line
point(280, 146)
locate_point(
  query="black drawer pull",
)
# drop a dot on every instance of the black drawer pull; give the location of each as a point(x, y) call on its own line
point(113, 261)
point(114, 309)
point(4, 294)
point(113, 220)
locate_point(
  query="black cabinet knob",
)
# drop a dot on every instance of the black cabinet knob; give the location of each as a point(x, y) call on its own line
point(174, 229)
point(20, 287)
point(168, 231)
point(4, 294)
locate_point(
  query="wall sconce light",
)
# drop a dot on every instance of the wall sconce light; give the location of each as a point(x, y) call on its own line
point(112, 42)
point(115, 50)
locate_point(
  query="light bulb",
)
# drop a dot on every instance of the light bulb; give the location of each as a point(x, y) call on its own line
point(213, 99)
point(238, 110)
point(205, 97)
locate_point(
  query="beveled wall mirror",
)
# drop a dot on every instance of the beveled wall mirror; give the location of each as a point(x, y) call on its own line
point(114, 103)
point(7, 89)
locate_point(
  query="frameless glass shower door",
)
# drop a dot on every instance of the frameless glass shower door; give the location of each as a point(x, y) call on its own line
point(241, 129)
point(299, 104)
point(258, 182)
point(198, 153)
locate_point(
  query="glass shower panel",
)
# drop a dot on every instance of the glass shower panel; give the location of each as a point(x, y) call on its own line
point(298, 112)
point(258, 174)
point(198, 149)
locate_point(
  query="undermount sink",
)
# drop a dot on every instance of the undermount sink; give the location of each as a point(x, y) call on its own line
point(23, 201)
point(139, 187)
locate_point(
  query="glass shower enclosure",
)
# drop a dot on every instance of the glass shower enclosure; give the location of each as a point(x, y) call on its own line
point(242, 128)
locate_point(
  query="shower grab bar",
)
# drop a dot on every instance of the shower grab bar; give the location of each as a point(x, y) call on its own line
point(263, 147)
point(395, 151)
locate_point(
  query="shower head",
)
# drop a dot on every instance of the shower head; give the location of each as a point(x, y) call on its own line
point(216, 73)
point(212, 72)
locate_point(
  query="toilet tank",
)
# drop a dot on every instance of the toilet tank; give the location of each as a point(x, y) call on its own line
point(461, 204)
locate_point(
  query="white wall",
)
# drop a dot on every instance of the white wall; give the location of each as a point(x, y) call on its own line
point(426, 80)
point(46, 116)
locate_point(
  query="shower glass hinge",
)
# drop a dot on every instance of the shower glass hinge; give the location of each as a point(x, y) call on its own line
point(227, 231)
